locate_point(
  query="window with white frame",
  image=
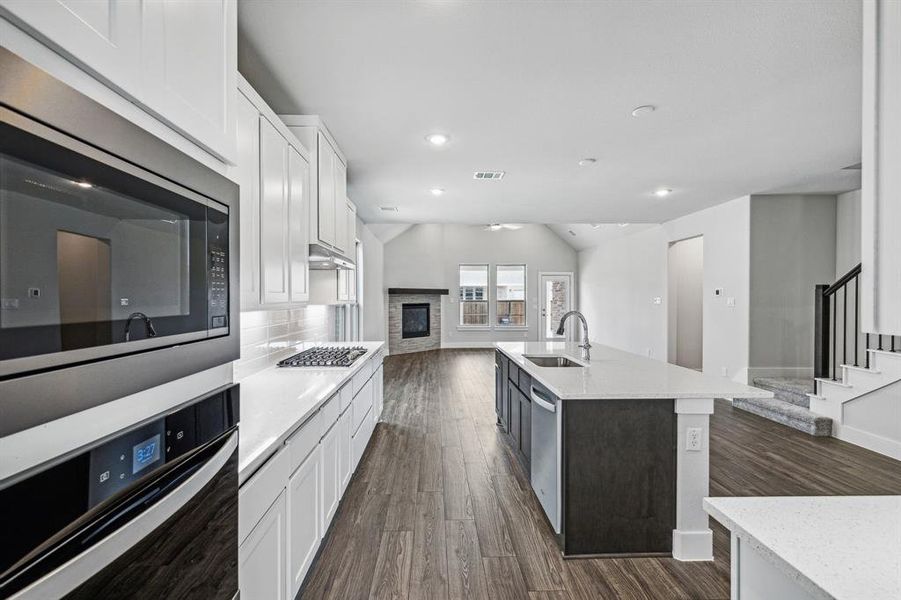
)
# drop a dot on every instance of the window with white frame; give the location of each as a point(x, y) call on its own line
point(474, 295)
point(510, 295)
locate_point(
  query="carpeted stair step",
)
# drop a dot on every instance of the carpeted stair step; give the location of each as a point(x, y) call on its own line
point(786, 413)
point(791, 390)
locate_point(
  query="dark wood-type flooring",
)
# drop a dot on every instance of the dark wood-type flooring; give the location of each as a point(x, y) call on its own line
point(440, 507)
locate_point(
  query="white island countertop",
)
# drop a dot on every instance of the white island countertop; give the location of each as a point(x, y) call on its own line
point(277, 400)
point(613, 373)
point(836, 547)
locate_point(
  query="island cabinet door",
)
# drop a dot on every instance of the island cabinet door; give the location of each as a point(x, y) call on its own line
point(498, 392)
point(619, 477)
point(525, 427)
point(515, 422)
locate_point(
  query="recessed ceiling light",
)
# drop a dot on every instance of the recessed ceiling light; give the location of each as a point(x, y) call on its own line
point(437, 139)
point(644, 109)
point(83, 184)
point(663, 192)
point(587, 162)
point(489, 175)
point(388, 208)
point(623, 224)
point(437, 191)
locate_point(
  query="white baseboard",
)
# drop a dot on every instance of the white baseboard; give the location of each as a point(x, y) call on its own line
point(693, 545)
point(467, 344)
point(870, 441)
point(793, 372)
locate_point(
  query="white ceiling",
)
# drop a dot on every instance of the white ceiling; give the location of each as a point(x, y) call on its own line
point(582, 235)
point(752, 96)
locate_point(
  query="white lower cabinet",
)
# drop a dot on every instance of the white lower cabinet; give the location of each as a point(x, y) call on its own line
point(286, 507)
point(303, 519)
point(330, 484)
point(345, 448)
point(261, 556)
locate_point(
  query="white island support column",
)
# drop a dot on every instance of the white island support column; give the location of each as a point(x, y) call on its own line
point(692, 537)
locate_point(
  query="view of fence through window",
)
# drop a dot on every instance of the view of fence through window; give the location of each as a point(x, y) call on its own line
point(474, 295)
point(511, 295)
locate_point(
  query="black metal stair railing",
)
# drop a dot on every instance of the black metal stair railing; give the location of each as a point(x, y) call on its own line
point(837, 335)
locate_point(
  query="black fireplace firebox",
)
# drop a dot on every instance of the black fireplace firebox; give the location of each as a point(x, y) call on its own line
point(415, 319)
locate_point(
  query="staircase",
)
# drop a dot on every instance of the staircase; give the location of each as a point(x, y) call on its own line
point(848, 364)
point(791, 406)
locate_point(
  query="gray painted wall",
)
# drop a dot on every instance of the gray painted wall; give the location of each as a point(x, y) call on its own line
point(685, 314)
point(847, 232)
point(428, 255)
point(793, 248)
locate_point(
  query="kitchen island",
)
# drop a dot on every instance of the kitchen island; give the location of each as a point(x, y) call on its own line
point(616, 446)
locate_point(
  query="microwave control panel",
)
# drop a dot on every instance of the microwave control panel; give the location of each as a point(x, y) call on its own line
point(217, 243)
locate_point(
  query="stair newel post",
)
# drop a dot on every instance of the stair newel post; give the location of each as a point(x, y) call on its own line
point(856, 317)
point(821, 332)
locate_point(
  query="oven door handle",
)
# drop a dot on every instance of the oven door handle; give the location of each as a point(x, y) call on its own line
point(117, 530)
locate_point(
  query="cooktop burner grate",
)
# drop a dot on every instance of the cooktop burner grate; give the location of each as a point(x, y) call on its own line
point(324, 356)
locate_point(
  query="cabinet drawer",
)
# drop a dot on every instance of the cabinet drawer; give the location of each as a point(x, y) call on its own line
point(346, 395)
point(330, 412)
point(257, 494)
point(361, 438)
point(525, 382)
point(304, 440)
point(377, 359)
point(514, 373)
point(362, 404)
point(362, 376)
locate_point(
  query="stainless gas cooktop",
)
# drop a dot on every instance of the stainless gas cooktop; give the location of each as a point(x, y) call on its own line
point(324, 356)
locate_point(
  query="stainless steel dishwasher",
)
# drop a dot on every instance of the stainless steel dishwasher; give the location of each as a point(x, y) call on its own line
point(545, 473)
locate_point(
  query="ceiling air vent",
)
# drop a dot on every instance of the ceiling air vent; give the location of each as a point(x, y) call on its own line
point(388, 208)
point(488, 175)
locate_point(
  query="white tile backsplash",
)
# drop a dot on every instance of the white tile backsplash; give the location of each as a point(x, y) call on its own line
point(267, 336)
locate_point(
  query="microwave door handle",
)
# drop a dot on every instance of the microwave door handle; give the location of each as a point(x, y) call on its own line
point(85, 565)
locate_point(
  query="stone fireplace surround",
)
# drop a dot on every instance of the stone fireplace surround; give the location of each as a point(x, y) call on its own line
point(397, 297)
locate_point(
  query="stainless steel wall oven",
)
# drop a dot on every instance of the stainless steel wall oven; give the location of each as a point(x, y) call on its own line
point(118, 254)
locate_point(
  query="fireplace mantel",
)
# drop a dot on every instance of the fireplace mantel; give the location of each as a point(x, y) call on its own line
point(414, 291)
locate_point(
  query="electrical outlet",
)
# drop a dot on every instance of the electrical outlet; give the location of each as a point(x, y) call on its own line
point(730, 301)
point(658, 300)
point(123, 301)
point(693, 439)
point(724, 371)
point(9, 303)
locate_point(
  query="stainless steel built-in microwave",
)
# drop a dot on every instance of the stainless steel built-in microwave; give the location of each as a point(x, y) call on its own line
point(117, 254)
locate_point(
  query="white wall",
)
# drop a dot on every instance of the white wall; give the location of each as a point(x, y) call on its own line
point(428, 256)
point(847, 232)
point(793, 249)
point(374, 291)
point(619, 280)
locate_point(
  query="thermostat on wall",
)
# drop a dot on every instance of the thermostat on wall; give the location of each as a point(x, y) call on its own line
point(717, 291)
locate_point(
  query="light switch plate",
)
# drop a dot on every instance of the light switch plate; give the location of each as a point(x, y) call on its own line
point(730, 301)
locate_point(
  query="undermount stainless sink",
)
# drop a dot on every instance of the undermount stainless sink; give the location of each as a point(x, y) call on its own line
point(552, 361)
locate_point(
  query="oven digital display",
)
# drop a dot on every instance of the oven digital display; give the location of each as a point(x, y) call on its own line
point(145, 454)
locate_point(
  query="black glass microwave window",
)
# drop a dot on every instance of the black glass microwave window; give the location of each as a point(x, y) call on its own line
point(93, 255)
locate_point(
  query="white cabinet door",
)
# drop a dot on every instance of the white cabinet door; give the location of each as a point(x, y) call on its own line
point(248, 177)
point(351, 231)
point(330, 485)
point(352, 286)
point(345, 448)
point(275, 266)
point(304, 534)
point(190, 66)
point(342, 279)
point(261, 557)
point(102, 37)
point(341, 242)
point(326, 200)
point(298, 213)
point(379, 392)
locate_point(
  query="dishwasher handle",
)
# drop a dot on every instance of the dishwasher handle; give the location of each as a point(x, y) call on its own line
point(544, 403)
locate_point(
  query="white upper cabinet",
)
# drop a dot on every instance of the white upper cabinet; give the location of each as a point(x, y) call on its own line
point(274, 223)
point(102, 37)
point(341, 230)
point(177, 59)
point(273, 172)
point(248, 178)
point(190, 65)
point(325, 228)
point(298, 213)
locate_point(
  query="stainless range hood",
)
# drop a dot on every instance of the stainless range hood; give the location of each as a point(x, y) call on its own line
point(326, 259)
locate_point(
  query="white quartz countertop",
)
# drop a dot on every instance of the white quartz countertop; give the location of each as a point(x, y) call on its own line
point(618, 374)
point(276, 401)
point(841, 547)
